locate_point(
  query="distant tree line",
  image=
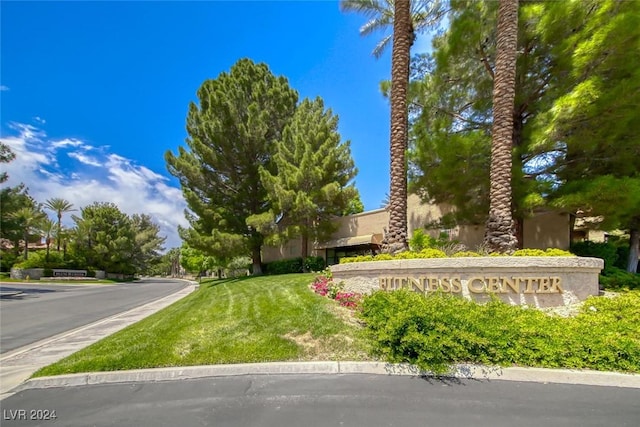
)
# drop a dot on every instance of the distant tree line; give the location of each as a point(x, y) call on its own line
point(102, 237)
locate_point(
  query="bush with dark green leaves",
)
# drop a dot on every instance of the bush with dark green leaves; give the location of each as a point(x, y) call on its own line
point(314, 263)
point(618, 279)
point(435, 331)
point(293, 265)
point(604, 250)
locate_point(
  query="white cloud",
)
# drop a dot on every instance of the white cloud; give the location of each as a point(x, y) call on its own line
point(40, 120)
point(67, 142)
point(82, 158)
point(111, 178)
point(3, 88)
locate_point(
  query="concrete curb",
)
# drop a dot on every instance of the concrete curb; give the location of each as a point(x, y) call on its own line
point(483, 373)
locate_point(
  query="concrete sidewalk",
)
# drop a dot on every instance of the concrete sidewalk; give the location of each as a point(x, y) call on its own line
point(18, 365)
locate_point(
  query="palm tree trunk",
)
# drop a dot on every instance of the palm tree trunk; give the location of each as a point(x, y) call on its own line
point(499, 234)
point(396, 236)
point(26, 244)
point(59, 228)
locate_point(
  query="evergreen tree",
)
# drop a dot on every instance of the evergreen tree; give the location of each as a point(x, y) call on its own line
point(105, 238)
point(450, 156)
point(6, 155)
point(148, 243)
point(28, 219)
point(231, 131)
point(312, 181)
point(13, 199)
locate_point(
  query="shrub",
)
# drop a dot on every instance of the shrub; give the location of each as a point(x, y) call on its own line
point(436, 330)
point(38, 259)
point(606, 251)
point(540, 252)
point(325, 286)
point(383, 257)
point(7, 259)
point(314, 263)
point(48, 272)
point(419, 240)
point(465, 254)
point(284, 266)
point(439, 253)
point(617, 279)
point(557, 252)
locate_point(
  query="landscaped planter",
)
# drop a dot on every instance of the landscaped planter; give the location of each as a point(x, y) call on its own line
point(535, 281)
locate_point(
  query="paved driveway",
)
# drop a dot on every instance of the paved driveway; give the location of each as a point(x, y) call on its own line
point(327, 400)
point(45, 310)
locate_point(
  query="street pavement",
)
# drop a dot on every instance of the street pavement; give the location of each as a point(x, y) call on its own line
point(325, 400)
point(18, 365)
point(32, 312)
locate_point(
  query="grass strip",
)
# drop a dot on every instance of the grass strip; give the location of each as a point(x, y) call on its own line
point(252, 319)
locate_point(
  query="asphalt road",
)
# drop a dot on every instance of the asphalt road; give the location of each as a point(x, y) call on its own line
point(325, 400)
point(45, 310)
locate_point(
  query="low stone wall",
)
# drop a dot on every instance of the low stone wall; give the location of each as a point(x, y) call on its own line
point(58, 274)
point(22, 273)
point(535, 281)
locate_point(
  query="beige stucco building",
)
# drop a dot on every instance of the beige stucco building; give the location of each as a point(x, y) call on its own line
point(362, 233)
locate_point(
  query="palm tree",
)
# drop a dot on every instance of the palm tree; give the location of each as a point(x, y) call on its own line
point(424, 14)
point(29, 219)
point(499, 234)
point(406, 16)
point(59, 206)
point(47, 227)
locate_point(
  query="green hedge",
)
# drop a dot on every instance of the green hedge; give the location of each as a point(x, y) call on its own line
point(437, 253)
point(436, 330)
point(606, 251)
point(293, 265)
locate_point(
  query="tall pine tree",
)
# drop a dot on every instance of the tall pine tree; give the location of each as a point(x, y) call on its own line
point(231, 135)
point(313, 178)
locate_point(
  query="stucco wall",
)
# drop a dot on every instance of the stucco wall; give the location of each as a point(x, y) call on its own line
point(547, 230)
point(544, 230)
point(371, 222)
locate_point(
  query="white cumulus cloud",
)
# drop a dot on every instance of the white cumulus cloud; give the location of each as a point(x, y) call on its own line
point(87, 178)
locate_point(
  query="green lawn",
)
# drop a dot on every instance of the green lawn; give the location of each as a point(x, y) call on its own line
point(252, 319)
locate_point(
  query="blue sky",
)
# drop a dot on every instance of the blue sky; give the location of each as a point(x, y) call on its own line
point(94, 93)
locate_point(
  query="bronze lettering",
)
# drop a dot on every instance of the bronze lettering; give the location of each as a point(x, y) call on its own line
point(529, 287)
point(456, 285)
point(544, 285)
point(416, 284)
point(494, 285)
point(445, 284)
point(510, 282)
point(475, 289)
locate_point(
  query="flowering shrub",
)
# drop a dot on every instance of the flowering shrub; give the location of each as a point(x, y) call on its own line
point(348, 299)
point(325, 286)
